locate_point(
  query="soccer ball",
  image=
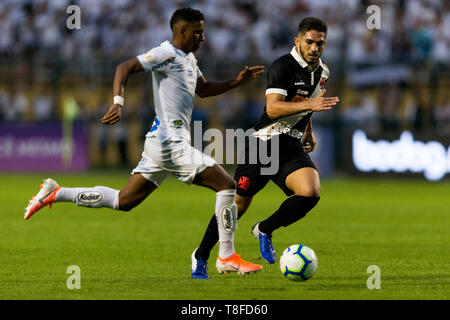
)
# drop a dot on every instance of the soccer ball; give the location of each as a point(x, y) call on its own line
point(298, 262)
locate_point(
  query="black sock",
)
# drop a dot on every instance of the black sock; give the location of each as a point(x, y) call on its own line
point(210, 239)
point(290, 211)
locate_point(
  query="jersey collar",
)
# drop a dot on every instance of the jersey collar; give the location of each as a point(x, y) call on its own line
point(301, 61)
point(178, 51)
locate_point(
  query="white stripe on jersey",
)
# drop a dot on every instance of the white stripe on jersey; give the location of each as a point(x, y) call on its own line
point(278, 91)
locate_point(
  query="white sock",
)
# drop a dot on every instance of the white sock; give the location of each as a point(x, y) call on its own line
point(226, 214)
point(96, 197)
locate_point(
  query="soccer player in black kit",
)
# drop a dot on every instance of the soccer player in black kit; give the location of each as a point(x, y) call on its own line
point(295, 89)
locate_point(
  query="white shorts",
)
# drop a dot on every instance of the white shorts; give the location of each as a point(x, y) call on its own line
point(178, 158)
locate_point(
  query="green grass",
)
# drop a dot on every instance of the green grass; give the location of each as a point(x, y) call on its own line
point(401, 226)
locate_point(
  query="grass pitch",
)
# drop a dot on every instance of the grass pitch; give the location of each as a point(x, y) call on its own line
point(400, 226)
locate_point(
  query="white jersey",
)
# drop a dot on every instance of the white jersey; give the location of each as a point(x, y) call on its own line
point(174, 75)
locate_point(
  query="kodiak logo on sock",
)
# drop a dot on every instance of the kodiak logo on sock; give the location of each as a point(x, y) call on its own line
point(90, 197)
point(227, 219)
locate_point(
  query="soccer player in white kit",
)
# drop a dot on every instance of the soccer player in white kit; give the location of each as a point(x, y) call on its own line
point(176, 79)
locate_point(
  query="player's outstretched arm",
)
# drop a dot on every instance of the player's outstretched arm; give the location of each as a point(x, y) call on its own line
point(277, 107)
point(208, 89)
point(123, 71)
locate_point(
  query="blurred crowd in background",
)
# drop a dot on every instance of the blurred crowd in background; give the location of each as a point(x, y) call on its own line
point(393, 78)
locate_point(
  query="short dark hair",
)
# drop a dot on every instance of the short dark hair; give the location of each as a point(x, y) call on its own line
point(312, 23)
point(187, 14)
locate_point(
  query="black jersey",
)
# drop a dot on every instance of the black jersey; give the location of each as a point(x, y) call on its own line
point(289, 75)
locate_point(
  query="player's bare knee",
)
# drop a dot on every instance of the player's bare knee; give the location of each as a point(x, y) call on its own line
point(308, 191)
point(125, 204)
point(125, 207)
point(317, 191)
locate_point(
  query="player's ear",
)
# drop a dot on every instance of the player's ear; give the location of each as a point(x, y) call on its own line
point(182, 31)
point(179, 29)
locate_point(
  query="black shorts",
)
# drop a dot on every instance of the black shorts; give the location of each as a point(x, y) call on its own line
point(291, 158)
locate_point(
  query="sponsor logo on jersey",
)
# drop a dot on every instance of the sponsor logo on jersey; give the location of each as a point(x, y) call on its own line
point(177, 67)
point(90, 197)
point(297, 134)
point(301, 83)
point(162, 64)
point(285, 128)
point(302, 92)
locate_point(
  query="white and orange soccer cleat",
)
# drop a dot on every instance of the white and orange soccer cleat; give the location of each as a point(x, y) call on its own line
point(45, 196)
point(236, 264)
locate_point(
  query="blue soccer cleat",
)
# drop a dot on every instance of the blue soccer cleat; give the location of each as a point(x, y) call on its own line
point(265, 244)
point(199, 268)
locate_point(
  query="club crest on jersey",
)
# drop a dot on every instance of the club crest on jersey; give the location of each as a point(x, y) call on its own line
point(90, 197)
point(244, 183)
point(322, 83)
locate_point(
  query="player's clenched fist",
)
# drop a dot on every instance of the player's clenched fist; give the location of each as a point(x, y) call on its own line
point(321, 103)
point(308, 141)
point(113, 115)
